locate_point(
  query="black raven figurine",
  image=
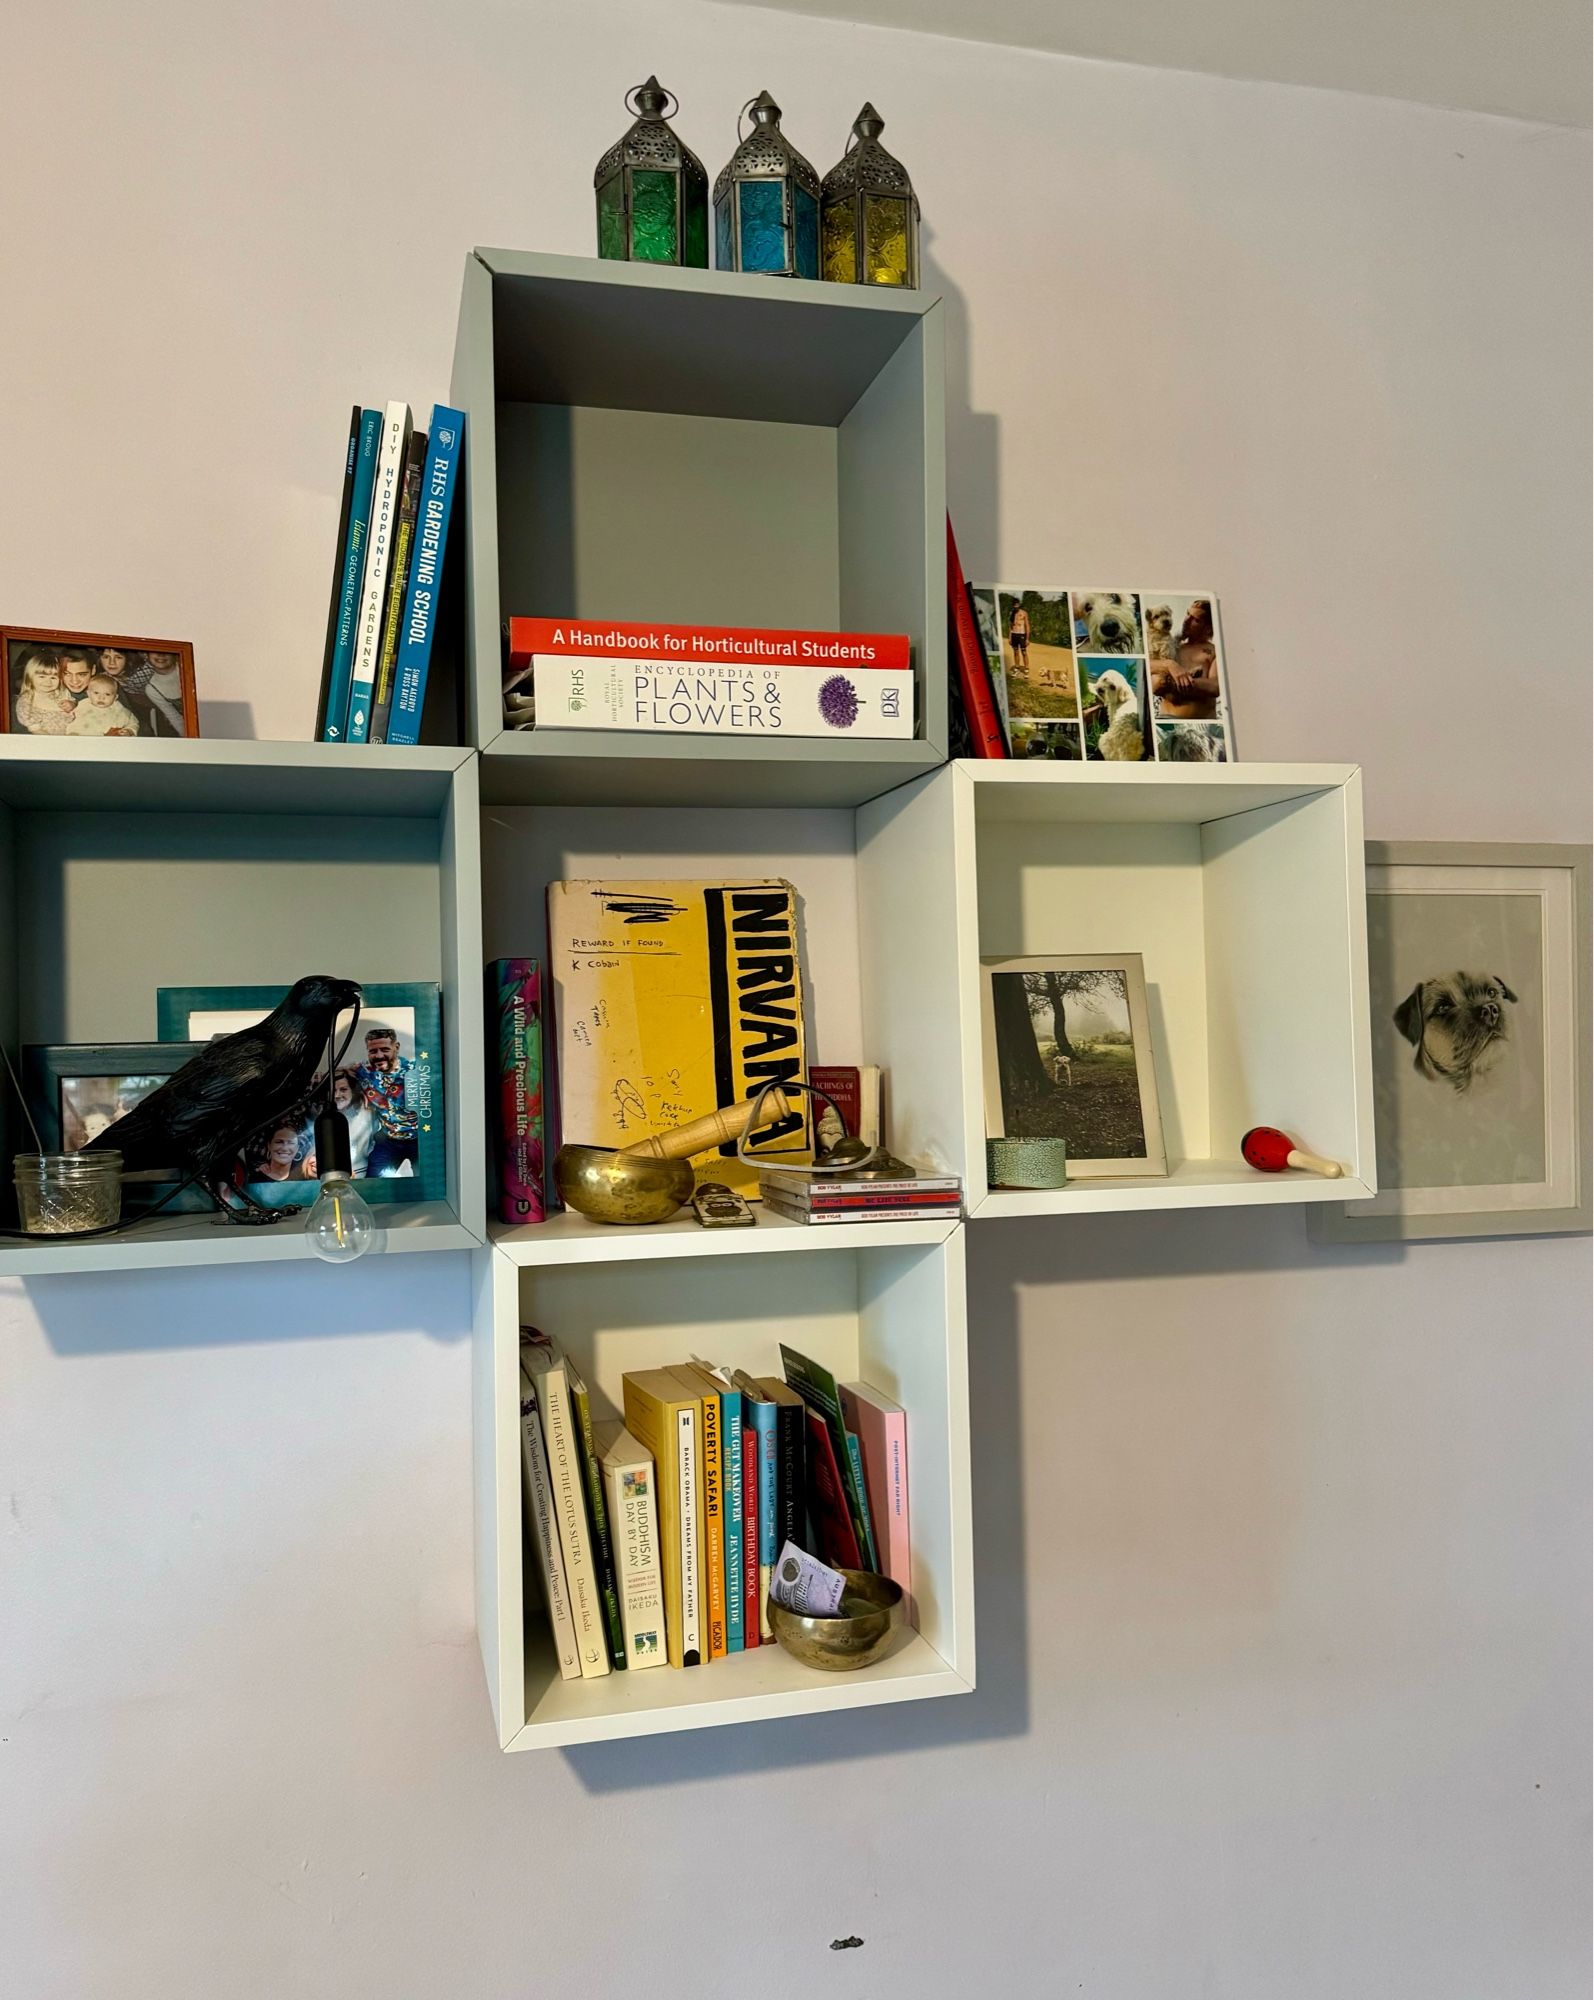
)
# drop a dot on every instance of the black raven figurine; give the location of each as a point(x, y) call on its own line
point(196, 1122)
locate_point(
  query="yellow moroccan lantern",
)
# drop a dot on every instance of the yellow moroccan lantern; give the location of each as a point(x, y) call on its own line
point(869, 214)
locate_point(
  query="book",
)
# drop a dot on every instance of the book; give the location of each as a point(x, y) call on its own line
point(856, 1094)
point(345, 508)
point(515, 1002)
point(834, 1537)
point(817, 1387)
point(677, 698)
point(419, 630)
point(791, 1464)
point(662, 1415)
point(545, 1531)
point(711, 1533)
point(762, 1410)
point(733, 1475)
point(334, 720)
point(602, 1543)
point(973, 672)
point(398, 581)
point(881, 1428)
point(672, 998)
point(545, 1364)
point(386, 496)
point(711, 645)
point(859, 1485)
point(752, 1460)
point(630, 1483)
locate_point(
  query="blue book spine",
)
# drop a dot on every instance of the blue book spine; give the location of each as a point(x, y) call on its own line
point(768, 1461)
point(735, 1554)
point(870, 1552)
point(335, 727)
point(438, 482)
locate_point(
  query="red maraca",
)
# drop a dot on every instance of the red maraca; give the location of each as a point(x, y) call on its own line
point(1271, 1151)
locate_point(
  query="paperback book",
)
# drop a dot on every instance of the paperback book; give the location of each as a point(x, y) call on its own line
point(629, 1482)
point(515, 1030)
point(332, 713)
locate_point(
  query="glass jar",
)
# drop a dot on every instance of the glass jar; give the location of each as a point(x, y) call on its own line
point(61, 1194)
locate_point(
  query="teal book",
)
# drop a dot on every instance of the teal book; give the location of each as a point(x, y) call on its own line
point(733, 1473)
point(388, 1083)
point(871, 1553)
point(334, 718)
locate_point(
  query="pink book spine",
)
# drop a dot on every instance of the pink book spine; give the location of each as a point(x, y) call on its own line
point(750, 1472)
point(882, 1430)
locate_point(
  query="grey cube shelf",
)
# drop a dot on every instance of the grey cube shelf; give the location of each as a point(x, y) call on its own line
point(129, 866)
point(699, 446)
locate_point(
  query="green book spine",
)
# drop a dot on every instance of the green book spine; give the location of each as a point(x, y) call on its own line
point(598, 1516)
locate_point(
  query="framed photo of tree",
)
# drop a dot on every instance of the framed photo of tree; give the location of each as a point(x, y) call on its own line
point(1067, 1047)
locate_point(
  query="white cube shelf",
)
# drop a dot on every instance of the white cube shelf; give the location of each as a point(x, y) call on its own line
point(891, 1315)
point(129, 866)
point(1242, 888)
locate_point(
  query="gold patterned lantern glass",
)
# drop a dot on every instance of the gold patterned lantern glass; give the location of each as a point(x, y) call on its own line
point(869, 214)
point(766, 202)
point(652, 190)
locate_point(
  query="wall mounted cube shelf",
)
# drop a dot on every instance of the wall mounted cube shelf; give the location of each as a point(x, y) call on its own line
point(129, 866)
point(699, 446)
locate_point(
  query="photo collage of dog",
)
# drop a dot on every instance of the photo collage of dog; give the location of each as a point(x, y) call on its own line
point(1112, 676)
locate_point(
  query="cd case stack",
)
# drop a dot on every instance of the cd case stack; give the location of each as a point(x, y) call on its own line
point(834, 1198)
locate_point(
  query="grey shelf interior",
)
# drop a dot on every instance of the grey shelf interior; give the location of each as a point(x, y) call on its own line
point(701, 447)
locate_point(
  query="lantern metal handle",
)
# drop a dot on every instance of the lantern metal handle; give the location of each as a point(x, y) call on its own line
point(652, 83)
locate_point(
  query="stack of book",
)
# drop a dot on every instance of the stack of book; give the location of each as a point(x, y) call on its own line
point(655, 1538)
point(398, 494)
point(833, 1198)
point(706, 680)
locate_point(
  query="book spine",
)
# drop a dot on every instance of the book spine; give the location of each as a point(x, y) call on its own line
point(871, 1548)
point(765, 1422)
point(749, 646)
point(564, 1466)
point(820, 1391)
point(426, 575)
point(398, 579)
point(385, 498)
point(598, 1523)
point(713, 1527)
point(974, 681)
point(652, 1423)
point(791, 1487)
point(732, 1476)
point(752, 1454)
point(891, 1503)
point(670, 697)
point(635, 1525)
point(335, 721)
point(345, 508)
point(835, 1537)
point(689, 1477)
point(517, 995)
point(545, 1536)
point(840, 1084)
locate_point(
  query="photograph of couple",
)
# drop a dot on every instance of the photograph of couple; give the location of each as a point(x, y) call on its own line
point(66, 686)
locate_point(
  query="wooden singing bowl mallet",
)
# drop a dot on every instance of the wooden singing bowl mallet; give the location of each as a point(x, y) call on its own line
point(1271, 1151)
point(650, 1181)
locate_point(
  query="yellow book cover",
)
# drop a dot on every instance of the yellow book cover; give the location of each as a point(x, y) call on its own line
point(697, 1383)
point(663, 1416)
point(670, 1000)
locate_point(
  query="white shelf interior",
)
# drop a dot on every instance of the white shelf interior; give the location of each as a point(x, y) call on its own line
point(568, 1238)
point(892, 1316)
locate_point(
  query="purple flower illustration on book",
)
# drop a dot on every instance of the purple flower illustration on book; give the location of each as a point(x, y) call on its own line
point(838, 702)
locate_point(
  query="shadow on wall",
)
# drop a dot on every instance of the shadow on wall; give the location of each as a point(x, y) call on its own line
point(128, 1312)
point(973, 494)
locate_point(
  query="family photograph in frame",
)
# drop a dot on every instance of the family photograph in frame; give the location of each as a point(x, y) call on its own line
point(69, 685)
point(1067, 1055)
point(1478, 975)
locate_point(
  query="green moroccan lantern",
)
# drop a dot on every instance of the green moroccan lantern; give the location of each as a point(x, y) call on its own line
point(652, 190)
point(869, 212)
point(766, 202)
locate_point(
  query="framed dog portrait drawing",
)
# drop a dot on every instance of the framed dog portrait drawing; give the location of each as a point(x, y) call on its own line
point(1067, 1053)
point(1478, 961)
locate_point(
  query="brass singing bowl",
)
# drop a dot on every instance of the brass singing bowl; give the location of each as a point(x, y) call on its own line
point(871, 1611)
point(629, 1189)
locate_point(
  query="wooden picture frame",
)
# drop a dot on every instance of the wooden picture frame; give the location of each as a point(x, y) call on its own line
point(1426, 1081)
point(1115, 985)
point(160, 699)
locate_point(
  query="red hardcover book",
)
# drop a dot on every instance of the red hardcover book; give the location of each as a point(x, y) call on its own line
point(827, 1500)
point(697, 645)
point(751, 1468)
point(841, 1083)
point(974, 680)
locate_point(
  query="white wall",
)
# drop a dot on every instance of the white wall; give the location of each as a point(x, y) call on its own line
point(1283, 1551)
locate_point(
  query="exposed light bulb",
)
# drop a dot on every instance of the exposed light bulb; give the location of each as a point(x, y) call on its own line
point(340, 1224)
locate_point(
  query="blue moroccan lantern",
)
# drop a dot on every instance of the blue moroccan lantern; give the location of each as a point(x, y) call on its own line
point(766, 202)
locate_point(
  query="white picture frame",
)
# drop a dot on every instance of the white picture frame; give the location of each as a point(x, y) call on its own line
point(1551, 1196)
point(1128, 970)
